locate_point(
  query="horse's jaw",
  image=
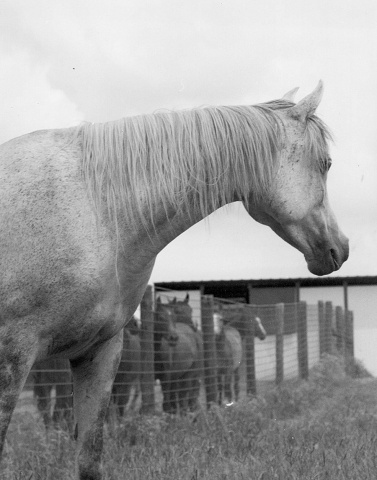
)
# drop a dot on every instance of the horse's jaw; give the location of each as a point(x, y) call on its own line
point(323, 244)
point(317, 237)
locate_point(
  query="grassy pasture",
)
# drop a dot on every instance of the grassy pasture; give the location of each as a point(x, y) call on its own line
point(325, 428)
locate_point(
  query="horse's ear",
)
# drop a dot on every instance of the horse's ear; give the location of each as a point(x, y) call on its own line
point(290, 96)
point(158, 300)
point(174, 301)
point(187, 298)
point(308, 105)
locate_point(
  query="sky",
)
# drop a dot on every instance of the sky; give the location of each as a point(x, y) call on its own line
point(66, 62)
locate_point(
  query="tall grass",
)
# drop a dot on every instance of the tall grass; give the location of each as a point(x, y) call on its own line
point(325, 428)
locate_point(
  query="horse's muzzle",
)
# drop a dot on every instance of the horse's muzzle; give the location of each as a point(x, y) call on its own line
point(331, 261)
point(172, 339)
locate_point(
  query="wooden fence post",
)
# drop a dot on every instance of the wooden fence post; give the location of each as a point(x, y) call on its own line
point(340, 330)
point(350, 348)
point(279, 316)
point(302, 341)
point(251, 384)
point(322, 328)
point(209, 349)
point(328, 327)
point(147, 352)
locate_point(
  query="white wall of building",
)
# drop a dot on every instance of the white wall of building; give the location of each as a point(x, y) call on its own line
point(362, 300)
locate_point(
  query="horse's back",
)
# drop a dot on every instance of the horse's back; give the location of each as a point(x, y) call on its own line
point(233, 336)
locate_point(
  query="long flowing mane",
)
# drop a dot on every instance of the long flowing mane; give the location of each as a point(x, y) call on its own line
point(191, 160)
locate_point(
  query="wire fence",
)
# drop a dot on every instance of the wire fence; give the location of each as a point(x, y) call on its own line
point(189, 350)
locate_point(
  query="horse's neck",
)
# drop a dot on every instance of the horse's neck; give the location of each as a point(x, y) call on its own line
point(187, 321)
point(169, 225)
point(220, 337)
point(164, 173)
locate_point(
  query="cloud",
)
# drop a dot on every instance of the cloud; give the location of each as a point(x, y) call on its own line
point(31, 102)
point(135, 57)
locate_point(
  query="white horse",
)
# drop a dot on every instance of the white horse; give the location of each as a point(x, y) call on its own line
point(229, 350)
point(84, 211)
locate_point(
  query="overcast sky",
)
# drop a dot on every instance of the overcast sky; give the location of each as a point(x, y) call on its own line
point(65, 62)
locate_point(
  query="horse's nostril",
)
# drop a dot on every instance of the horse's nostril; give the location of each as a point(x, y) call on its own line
point(334, 259)
point(173, 339)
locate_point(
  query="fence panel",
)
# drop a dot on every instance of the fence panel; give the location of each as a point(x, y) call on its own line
point(159, 370)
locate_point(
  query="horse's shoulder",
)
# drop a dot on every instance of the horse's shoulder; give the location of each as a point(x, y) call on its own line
point(185, 328)
point(188, 337)
point(231, 331)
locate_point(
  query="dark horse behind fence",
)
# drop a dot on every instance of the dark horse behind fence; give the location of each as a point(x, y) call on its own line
point(84, 211)
point(178, 365)
point(230, 326)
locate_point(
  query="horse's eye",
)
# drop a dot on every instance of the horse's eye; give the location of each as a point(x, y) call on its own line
point(327, 164)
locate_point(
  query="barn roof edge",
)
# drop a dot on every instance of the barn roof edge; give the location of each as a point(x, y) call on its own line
point(270, 282)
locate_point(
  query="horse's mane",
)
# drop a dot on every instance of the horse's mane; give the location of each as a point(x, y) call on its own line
point(193, 159)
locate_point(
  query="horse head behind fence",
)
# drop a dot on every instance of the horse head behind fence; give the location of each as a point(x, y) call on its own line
point(183, 311)
point(259, 330)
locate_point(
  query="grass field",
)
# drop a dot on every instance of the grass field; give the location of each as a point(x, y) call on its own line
point(325, 428)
